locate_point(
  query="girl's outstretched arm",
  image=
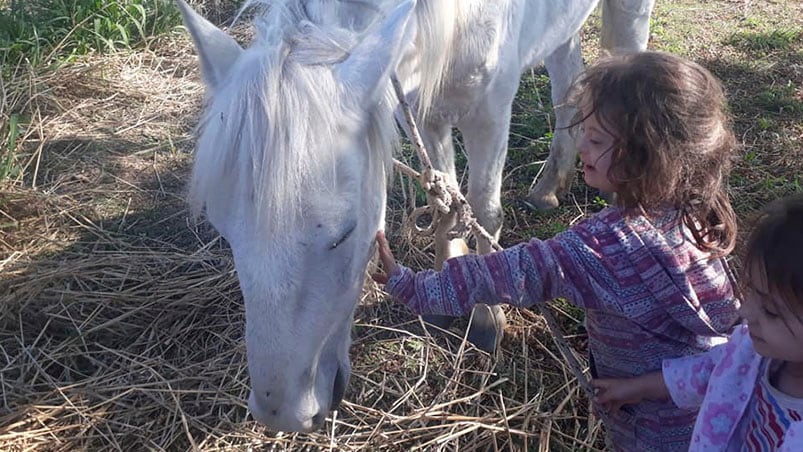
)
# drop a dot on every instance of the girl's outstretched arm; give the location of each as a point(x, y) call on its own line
point(521, 275)
point(588, 264)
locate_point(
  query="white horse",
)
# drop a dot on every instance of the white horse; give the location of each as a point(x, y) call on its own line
point(294, 149)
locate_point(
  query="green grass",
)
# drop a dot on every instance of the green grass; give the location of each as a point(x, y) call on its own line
point(765, 41)
point(35, 34)
point(550, 229)
point(780, 99)
point(39, 31)
point(8, 167)
point(669, 40)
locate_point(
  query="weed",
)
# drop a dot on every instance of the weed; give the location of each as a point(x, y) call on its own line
point(765, 123)
point(532, 110)
point(765, 41)
point(550, 229)
point(664, 37)
point(599, 201)
point(8, 167)
point(780, 99)
point(40, 30)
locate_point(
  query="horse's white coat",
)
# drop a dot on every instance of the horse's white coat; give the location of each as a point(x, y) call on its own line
point(294, 148)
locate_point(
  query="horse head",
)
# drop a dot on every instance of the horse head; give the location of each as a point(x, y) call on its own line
point(291, 168)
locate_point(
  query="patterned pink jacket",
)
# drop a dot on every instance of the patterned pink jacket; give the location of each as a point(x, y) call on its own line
point(648, 292)
point(720, 383)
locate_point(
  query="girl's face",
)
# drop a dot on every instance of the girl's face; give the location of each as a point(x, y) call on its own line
point(595, 149)
point(776, 330)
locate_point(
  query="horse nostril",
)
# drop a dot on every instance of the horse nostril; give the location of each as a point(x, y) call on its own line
point(267, 394)
point(274, 412)
point(318, 418)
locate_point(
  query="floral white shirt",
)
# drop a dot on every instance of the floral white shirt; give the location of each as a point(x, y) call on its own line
point(720, 383)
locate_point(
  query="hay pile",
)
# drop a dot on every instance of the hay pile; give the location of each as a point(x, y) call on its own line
point(143, 348)
point(121, 321)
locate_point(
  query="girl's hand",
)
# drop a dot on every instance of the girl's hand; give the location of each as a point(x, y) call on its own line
point(613, 393)
point(386, 257)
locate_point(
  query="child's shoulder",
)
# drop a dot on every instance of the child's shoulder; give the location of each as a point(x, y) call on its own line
point(617, 220)
point(610, 225)
point(662, 221)
point(609, 217)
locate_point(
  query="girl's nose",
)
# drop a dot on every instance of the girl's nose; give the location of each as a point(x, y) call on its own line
point(582, 149)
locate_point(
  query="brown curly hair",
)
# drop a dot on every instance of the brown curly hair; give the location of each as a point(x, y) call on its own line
point(673, 145)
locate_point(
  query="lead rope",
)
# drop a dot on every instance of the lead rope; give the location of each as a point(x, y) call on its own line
point(447, 197)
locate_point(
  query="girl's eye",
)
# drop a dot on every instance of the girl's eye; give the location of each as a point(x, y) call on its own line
point(769, 313)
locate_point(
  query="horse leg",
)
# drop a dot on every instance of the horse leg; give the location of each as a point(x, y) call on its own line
point(625, 28)
point(564, 65)
point(625, 25)
point(485, 133)
point(438, 141)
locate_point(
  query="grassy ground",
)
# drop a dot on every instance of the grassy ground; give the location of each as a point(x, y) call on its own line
point(120, 317)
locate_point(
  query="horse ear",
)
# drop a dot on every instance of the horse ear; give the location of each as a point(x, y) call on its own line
point(371, 62)
point(216, 50)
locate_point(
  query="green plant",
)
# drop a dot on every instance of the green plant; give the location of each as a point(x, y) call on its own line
point(780, 99)
point(764, 123)
point(532, 111)
point(8, 167)
point(599, 201)
point(765, 41)
point(667, 39)
point(41, 30)
point(550, 229)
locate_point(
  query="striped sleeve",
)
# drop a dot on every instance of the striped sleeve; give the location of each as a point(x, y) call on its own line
point(522, 275)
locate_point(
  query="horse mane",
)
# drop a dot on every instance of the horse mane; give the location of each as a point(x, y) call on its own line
point(437, 23)
point(267, 132)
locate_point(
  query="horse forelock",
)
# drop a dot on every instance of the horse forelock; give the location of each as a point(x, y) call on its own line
point(268, 131)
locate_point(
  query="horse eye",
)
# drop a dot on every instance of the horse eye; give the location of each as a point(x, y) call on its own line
point(342, 238)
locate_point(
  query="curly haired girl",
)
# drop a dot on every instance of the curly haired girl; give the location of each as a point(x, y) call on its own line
point(647, 271)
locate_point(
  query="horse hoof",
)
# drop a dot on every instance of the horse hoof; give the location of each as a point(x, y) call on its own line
point(542, 201)
point(487, 327)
